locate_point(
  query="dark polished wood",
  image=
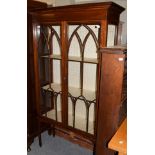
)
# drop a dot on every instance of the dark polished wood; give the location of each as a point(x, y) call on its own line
point(110, 96)
point(110, 71)
point(32, 125)
point(96, 11)
point(64, 72)
point(35, 5)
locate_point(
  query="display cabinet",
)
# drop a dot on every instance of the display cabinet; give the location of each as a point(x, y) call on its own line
point(71, 71)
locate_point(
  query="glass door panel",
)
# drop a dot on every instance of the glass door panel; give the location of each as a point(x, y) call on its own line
point(49, 70)
point(82, 76)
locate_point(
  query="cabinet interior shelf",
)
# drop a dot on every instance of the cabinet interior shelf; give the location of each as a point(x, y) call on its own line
point(72, 58)
point(88, 95)
point(80, 122)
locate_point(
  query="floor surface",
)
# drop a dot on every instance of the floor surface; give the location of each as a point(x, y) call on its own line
point(56, 146)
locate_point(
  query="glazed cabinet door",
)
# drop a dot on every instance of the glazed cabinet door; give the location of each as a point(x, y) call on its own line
point(83, 42)
point(48, 70)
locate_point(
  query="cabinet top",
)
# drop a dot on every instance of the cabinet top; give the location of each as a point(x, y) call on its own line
point(91, 12)
point(85, 6)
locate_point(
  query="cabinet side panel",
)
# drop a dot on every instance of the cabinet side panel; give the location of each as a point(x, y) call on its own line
point(31, 111)
point(109, 101)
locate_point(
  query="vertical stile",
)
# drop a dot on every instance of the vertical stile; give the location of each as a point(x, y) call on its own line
point(36, 69)
point(45, 36)
point(81, 75)
point(102, 43)
point(116, 34)
point(74, 104)
point(94, 121)
point(86, 102)
point(73, 99)
point(97, 77)
point(51, 63)
point(55, 102)
point(44, 100)
point(40, 52)
point(64, 69)
point(50, 53)
point(87, 116)
point(44, 43)
point(81, 66)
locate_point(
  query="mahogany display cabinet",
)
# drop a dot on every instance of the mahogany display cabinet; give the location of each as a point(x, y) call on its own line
point(78, 77)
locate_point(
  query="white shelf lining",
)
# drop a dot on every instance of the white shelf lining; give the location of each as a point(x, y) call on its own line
point(80, 122)
point(76, 92)
point(72, 58)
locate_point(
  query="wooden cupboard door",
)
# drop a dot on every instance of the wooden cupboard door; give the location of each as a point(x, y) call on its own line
point(82, 67)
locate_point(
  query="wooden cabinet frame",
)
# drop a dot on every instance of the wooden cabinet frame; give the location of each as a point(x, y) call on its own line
point(108, 98)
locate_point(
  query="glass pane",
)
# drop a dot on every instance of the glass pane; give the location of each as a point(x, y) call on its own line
point(82, 71)
point(49, 70)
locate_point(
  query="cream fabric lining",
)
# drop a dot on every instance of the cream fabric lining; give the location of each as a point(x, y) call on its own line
point(80, 122)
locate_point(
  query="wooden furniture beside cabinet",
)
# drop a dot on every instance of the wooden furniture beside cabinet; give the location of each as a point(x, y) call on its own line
point(119, 140)
point(113, 98)
point(78, 82)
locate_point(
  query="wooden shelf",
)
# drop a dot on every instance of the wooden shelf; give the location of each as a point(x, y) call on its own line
point(76, 92)
point(86, 60)
point(80, 122)
point(54, 56)
point(72, 58)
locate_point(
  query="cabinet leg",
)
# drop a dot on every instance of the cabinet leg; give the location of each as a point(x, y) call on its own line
point(40, 140)
point(28, 149)
point(94, 149)
point(51, 131)
point(94, 152)
point(29, 142)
